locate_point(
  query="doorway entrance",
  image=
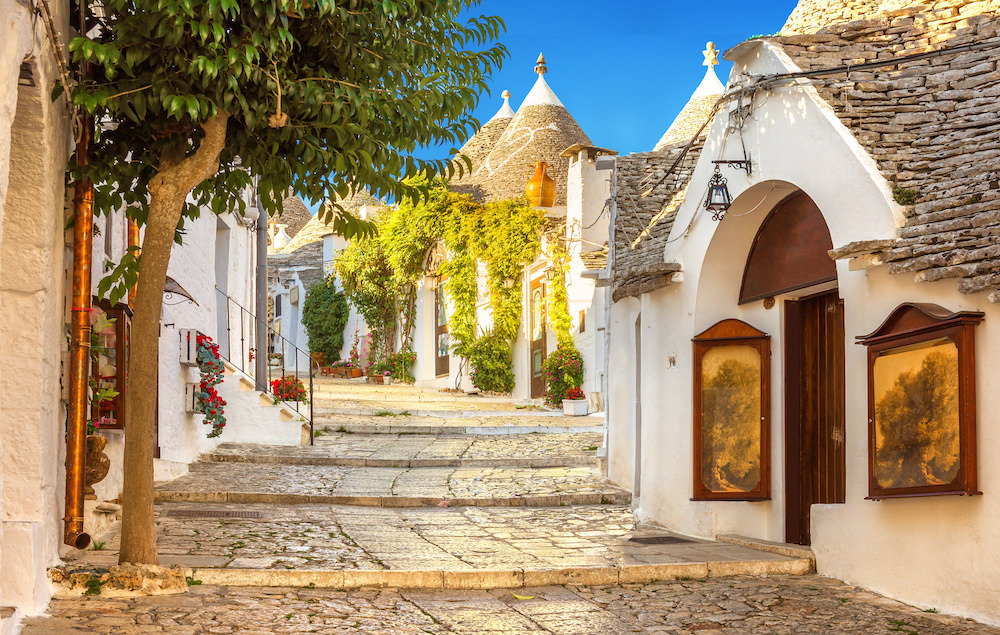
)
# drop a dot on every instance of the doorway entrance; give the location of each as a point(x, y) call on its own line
point(442, 354)
point(536, 326)
point(814, 409)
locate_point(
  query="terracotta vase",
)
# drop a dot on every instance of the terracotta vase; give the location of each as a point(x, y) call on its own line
point(97, 465)
point(541, 188)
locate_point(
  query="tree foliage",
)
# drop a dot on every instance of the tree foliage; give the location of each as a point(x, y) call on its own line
point(324, 314)
point(320, 96)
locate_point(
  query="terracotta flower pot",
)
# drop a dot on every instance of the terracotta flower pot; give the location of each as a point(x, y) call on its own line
point(97, 465)
point(357, 372)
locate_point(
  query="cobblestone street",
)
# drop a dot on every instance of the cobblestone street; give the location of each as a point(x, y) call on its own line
point(732, 606)
point(481, 529)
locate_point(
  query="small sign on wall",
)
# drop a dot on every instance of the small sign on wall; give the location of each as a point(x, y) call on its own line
point(293, 295)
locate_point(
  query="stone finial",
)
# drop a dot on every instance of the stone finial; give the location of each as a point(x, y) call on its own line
point(711, 55)
point(506, 96)
point(540, 66)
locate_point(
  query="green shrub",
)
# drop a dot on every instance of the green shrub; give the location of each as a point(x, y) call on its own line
point(324, 314)
point(563, 370)
point(491, 363)
point(399, 365)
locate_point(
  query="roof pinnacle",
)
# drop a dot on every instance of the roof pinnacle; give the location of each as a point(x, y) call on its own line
point(540, 66)
point(711, 55)
point(506, 95)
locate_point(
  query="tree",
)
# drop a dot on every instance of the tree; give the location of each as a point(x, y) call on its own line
point(202, 97)
point(324, 314)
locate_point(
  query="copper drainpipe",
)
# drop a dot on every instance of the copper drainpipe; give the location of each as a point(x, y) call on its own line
point(133, 241)
point(79, 368)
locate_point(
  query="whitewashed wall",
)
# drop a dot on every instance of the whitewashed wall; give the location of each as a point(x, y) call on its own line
point(34, 146)
point(940, 552)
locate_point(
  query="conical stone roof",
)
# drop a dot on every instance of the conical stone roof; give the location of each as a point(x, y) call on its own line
point(479, 146)
point(540, 130)
point(698, 108)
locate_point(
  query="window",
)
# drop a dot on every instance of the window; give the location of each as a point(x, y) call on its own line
point(732, 413)
point(109, 356)
point(922, 403)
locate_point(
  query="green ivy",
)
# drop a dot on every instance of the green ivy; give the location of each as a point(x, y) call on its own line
point(324, 314)
point(367, 275)
point(558, 313)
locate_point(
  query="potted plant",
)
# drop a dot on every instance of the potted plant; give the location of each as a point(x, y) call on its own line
point(354, 360)
point(275, 360)
point(574, 402)
point(387, 377)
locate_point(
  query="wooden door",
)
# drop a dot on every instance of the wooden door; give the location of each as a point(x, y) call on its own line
point(443, 358)
point(814, 409)
point(536, 331)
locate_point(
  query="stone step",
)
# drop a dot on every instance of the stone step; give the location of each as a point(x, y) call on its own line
point(498, 578)
point(541, 500)
point(330, 408)
point(534, 462)
point(483, 430)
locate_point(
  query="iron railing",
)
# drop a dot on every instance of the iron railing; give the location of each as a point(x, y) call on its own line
point(237, 341)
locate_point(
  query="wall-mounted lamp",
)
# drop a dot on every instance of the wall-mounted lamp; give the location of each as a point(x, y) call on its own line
point(508, 283)
point(550, 275)
point(718, 199)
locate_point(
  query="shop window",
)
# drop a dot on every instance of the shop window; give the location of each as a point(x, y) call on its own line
point(109, 355)
point(732, 413)
point(922, 403)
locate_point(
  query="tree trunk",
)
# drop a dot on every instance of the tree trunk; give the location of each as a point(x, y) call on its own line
point(168, 190)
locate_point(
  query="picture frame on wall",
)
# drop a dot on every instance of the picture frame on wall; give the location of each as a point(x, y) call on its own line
point(732, 413)
point(922, 403)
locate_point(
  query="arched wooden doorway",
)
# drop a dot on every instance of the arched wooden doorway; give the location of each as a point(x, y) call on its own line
point(789, 255)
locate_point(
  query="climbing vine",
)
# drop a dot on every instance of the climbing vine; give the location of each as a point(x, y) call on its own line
point(381, 274)
point(558, 313)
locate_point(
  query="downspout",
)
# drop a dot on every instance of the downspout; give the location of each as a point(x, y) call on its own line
point(133, 242)
point(608, 294)
point(260, 360)
point(79, 369)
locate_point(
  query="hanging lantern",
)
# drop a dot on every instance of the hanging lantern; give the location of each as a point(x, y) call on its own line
point(541, 189)
point(718, 199)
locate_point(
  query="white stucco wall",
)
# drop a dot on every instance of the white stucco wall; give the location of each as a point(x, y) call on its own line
point(34, 146)
point(940, 552)
point(182, 435)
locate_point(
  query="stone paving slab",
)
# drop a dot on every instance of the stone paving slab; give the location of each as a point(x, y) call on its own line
point(394, 450)
point(734, 606)
point(383, 486)
point(529, 542)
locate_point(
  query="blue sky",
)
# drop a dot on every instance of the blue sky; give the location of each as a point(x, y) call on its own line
point(623, 68)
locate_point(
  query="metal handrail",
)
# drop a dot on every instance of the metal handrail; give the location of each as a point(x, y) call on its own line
point(243, 359)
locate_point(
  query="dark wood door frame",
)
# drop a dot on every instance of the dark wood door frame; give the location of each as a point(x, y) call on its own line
point(814, 409)
point(536, 346)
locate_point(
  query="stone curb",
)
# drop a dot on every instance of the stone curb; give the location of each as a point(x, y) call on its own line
point(500, 578)
point(455, 430)
point(553, 500)
point(441, 414)
point(780, 548)
point(554, 461)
